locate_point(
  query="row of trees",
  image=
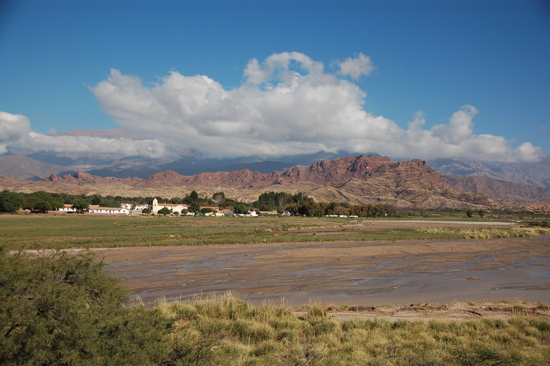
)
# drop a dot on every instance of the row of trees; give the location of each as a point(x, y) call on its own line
point(480, 212)
point(303, 205)
point(38, 201)
point(44, 201)
point(297, 204)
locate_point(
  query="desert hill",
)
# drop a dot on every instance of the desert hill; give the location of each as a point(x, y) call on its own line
point(355, 179)
point(533, 173)
point(500, 190)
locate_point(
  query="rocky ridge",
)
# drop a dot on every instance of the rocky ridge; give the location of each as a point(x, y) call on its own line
point(500, 190)
point(355, 179)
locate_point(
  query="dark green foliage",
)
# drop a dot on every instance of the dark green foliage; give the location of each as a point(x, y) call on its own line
point(165, 211)
point(11, 201)
point(240, 209)
point(54, 201)
point(31, 202)
point(81, 205)
point(43, 206)
point(298, 203)
point(227, 203)
point(194, 207)
point(63, 310)
point(192, 197)
point(109, 203)
point(302, 205)
point(176, 200)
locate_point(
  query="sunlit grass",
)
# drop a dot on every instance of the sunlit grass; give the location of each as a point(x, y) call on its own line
point(86, 231)
point(237, 333)
point(489, 233)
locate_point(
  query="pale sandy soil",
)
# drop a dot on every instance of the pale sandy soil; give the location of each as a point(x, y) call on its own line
point(391, 280)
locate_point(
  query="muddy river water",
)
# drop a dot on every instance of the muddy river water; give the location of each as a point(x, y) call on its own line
point(366, 273)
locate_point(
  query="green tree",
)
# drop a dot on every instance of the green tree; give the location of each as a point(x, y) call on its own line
point(54, 201)
point(176, 200)
point(165, 211)
point(194, 196)
point(194, 207)
point(43, 206)
point(240, 208)
point(31, 202)
point(469, 213)
point(62, 309)
point(110, 203)
point(481, 213)
point(11, 201)
point(81, 205)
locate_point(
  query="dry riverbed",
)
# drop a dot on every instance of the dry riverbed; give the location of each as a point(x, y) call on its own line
point(392, 280)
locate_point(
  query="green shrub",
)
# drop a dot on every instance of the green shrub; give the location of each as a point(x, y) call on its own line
point(61, 309)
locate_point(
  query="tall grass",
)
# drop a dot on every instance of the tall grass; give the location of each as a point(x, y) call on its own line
point(489, 233)
point(229, 331)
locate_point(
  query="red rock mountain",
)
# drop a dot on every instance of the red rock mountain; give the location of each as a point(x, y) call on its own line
point(355, 179)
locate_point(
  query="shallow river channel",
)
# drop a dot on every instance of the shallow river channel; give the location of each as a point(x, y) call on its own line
point(366, 273)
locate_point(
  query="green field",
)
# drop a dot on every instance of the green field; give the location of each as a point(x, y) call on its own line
point(87, 231)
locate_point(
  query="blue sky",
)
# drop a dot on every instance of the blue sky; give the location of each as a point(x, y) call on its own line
point(473, 75)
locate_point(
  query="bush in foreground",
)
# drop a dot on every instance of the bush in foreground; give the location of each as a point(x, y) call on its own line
point(57, 309)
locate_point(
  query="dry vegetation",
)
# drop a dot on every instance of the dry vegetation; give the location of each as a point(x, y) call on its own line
point(231, 332)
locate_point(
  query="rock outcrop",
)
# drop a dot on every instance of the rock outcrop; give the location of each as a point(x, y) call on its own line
point(355, 179)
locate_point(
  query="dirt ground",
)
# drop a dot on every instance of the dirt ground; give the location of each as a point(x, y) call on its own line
point(391, 280)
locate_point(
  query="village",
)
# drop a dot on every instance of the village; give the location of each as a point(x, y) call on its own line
point(156, 208)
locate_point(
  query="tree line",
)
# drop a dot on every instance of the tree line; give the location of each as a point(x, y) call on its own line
point(298, 204)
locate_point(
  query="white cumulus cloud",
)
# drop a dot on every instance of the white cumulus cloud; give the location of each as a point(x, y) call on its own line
point(288, 104)
point(356, 66)
point(15, 131)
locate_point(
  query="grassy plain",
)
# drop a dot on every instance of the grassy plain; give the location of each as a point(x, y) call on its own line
point(90, 231)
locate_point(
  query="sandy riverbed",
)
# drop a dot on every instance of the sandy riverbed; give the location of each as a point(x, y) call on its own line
point(366, 273)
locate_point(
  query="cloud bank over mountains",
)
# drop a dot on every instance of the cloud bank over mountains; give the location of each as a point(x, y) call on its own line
point(287, 104)
point(15, 131)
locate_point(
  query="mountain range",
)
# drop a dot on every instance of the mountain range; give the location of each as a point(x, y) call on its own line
point(355, 179)
point(340, 176)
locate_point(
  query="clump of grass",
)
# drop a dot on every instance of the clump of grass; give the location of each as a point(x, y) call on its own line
point(229, 331)
point(489, 233)
point(516, 309)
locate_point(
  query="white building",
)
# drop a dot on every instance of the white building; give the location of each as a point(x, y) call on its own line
point(156, 206)
point(95, 209)
point(67, 208)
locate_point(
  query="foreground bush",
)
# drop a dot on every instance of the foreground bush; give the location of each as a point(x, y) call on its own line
point(61, 310)
point(57, 309)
